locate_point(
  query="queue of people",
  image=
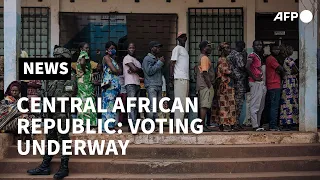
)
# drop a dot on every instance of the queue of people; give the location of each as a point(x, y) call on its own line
point(270, 80)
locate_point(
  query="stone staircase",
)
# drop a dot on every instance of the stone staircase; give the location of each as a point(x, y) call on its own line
point(251, 161)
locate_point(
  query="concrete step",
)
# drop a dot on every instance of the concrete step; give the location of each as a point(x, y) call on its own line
point(212, 138)
point(295, 175)
point(158, 166)
point(200, 151)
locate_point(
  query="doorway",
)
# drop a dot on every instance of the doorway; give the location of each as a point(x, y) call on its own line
point(276, 32)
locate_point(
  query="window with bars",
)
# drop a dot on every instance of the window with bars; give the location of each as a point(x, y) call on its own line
point(35, 31)
point(215, 25)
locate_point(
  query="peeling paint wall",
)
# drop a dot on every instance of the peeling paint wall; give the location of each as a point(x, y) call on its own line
point(308, 71)
point(179, 7)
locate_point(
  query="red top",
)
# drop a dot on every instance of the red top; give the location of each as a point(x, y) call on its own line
point(273, 78)
point(255, 66)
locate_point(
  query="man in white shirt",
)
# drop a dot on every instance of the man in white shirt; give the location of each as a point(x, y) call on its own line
point(179, 73)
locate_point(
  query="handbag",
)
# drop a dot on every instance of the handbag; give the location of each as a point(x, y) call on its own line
point(106, 79)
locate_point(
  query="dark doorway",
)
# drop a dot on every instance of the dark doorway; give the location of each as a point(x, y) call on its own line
point(277, 32)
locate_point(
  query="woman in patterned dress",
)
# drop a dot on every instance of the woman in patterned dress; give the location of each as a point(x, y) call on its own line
point(9, 113)
point(8, 110)
point(224, 111)
point(110, 84)
point(84, 70)
point(289, 103)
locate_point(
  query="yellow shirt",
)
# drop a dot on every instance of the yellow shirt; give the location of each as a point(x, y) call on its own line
point(94, 65)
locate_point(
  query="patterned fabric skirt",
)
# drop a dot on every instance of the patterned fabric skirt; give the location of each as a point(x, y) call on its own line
point(86, 91)
point(9, 115)
point(289, 103)
point(224, 106)
point(123, 117)
point(108, 100)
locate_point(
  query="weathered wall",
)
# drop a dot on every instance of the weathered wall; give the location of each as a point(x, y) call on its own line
point(277, 5)
point(179, 7)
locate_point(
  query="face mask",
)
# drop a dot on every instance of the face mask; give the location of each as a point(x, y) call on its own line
point(112, 52)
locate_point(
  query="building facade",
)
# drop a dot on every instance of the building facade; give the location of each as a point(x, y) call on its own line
point(47, 23)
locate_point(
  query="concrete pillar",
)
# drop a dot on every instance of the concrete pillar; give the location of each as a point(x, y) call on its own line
point(308, 69)
point(12, 37)
point(54, 24)
point(249, 37)
point(250, 24)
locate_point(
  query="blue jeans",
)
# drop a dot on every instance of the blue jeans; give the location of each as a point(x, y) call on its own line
point(153, 92)
point(133, 91)
point(273, 105)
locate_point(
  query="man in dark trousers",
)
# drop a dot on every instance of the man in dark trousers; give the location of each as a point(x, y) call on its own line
point(274, 72)
point(238, 60)
point(57, 88)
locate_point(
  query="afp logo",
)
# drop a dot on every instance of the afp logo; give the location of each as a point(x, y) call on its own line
point(44, 68)
point(306, 16)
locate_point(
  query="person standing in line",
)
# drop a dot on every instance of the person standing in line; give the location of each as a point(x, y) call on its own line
point(122, 116)
point(225, 111)
point(289, 109)
point(237, 60)
point(132, 71)
point(179, 73)
point(273, 72)
point(110, 84)
point(84, 69)
point(98, 57)
point(163, 115)
point(282, 55)
point(205, 80)
point(152, 69)
point(143, 93)
point(257, 86)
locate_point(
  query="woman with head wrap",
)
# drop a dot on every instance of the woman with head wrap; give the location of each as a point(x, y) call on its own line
point(9, 113)
point(84, 71)
point(12, 93)
point(224, 110)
